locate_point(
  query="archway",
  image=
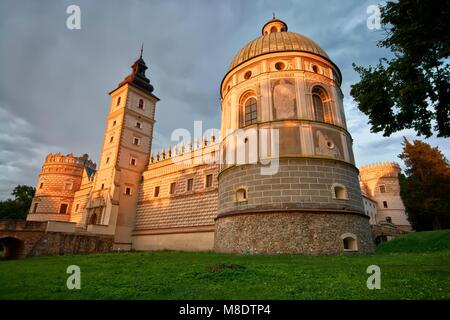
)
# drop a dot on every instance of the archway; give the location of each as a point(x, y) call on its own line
point(13, 248)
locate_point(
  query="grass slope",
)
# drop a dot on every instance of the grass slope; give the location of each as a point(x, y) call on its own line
point(416, 266)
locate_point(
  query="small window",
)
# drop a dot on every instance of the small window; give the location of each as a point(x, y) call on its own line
point(190, 184)
point(68, 186)
point(247, 75)
point(389, 219)
point(41, 185)
point(136, 141)
point(280, 66)
point(241, 195)
point(350, 244)
point(315, 68)
point(340, 192)
point(128, 191)
point(63, 208)
point(172, 188)
point(103, 186)
point(382, 188)
point(133, 161)
point(76, 207)
point(156, 193)
point(141, 104)
point(138, 125)
point(114, 122)
point(385, 205)
point(111, 139)
point(209, 180)
point(118, 101)
point(273, 29)
point(35, 207)
point(107, 160)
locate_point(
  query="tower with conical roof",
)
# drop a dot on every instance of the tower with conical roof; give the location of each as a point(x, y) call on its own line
point(125, 153)
point(287, 180)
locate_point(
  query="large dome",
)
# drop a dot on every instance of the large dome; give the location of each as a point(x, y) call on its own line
point(276, 40)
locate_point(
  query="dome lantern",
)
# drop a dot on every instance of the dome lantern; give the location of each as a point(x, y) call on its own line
point(274, 25)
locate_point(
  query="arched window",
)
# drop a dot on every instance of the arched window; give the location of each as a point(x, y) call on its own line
point(141, 104)
point(349, 242)
point(241, 195)
point(93, 219)
point(249, 112)
point(339, 191)
point(321, 104)
point(273, 29)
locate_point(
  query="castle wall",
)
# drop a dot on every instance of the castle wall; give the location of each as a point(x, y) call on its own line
point(299, 183)
point(183, 220)
point(319, 233)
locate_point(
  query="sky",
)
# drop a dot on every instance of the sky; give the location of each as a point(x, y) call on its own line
point(54, 82)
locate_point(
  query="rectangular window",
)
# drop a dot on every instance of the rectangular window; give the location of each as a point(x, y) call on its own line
point(138, 125)
point(385, 205)
point(76, 207)
point(133, 161)
point(128, 191)
point(35, 207)
point(114, 122)
point(107, 160)
point(136, 141)
point(209, 180)
point(172, 188)
point(63, 208)
point(382, 189)
point(190, 184)
point(111, 139)
point(103, 186)
point(41, 185)
point(68, 186)
point(156, 193)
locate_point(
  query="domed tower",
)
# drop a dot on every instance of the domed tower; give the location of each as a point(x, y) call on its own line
point(59, 179)
point(287, 180)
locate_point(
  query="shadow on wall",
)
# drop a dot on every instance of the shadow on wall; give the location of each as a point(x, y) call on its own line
point(11, 248)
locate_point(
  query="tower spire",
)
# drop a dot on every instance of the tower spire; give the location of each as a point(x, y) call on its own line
point(142, 50)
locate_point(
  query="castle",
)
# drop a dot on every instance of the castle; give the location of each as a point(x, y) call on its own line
point(279, 178)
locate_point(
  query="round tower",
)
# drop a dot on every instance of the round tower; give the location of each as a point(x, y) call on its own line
point(58, 181)
point(287, 180)
point(380, 182)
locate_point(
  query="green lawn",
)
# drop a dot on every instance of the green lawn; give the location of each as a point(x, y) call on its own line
point(415, 266)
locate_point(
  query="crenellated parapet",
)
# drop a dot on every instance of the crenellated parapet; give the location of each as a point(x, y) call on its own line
point(379, 170)
point(60, 178)
point(182, 151)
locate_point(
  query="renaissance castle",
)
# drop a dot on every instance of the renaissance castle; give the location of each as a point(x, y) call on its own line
point(279, 177)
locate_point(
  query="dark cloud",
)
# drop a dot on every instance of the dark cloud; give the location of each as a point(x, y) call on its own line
point(54, 81)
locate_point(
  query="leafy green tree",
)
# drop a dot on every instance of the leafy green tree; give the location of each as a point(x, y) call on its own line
point(425, 189)
point(17, 208)
point(412, 90)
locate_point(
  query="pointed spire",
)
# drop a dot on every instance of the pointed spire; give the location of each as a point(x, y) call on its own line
point(142, 50)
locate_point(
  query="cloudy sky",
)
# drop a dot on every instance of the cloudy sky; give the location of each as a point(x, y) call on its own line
point(54, 81)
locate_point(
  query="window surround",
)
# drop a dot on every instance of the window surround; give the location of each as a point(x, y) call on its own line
point(349, 242)
point(339, 191)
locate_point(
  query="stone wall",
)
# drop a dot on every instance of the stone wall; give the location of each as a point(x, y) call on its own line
point(317, 233)
point(299, 184)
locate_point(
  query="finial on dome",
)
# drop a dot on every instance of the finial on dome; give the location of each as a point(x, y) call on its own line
point(273, 15)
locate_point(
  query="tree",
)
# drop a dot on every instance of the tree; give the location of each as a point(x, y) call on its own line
point(425, 189)
point(17, 208)
point(412, 90)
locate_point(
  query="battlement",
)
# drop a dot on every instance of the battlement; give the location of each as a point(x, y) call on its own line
point(380, 166)
point(59, 158)
point(177, 153)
